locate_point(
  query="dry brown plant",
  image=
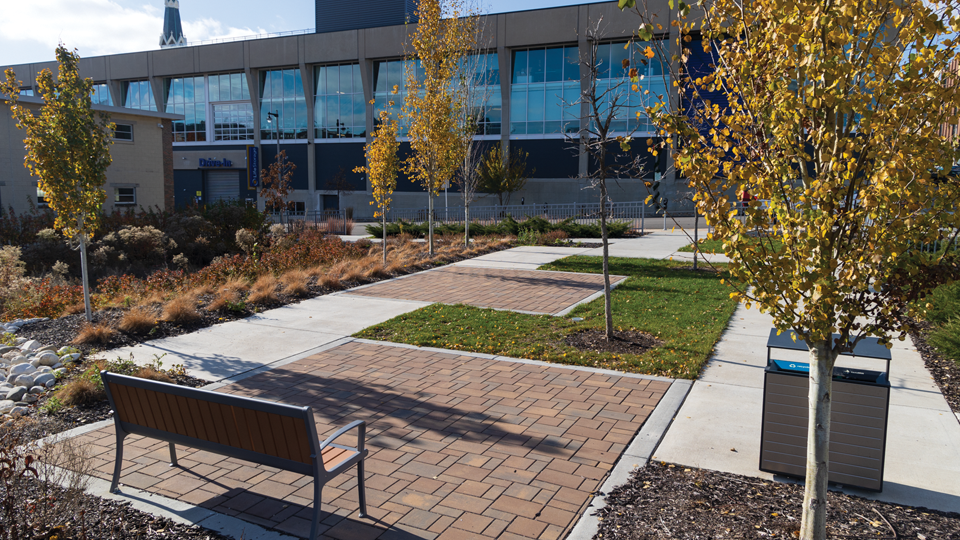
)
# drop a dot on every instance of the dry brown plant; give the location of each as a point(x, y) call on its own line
point(80, 391)
point(330, 282)
point(138, 320)
point(74, 309)
point(295, 282)
point(148, 372)
point(222, 299)
point(94, 334)
point(264, 290)
point(182, 309)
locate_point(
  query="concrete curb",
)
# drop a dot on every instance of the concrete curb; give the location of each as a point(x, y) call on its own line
point(636, 455)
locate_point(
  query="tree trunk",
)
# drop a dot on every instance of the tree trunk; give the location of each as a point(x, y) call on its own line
point(384, 238)
point(430, 219)
point(696, 227)
point(86, 278)
point(814, 523)
point(607, 308)
point(466, 224)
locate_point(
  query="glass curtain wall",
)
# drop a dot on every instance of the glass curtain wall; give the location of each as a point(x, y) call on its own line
point(339, 109)
point(390, 75)
point(610, 57)
point(483, 94)
point(545, 86)
point(281, 92)
point(229, 97)
point(101, 95)
point(138, 95)
point(186, 96)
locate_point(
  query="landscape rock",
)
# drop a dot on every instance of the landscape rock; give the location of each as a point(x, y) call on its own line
point(44, 369)
point(7, 406)
point(43, 378)
point(21, 369)
point(4, 349)
point(57, 365)
point(70, 357)
point(30, 398)
point(67, 350)
point(48, 358)
point(37, 389)
point(24, 380)
point(35, 362)
point(19, 411)
point(12, 354)
point(19, 360)
point(30, 345)
point(47, 348)
point(51, 383)
point(20, 341)
point(16, 393)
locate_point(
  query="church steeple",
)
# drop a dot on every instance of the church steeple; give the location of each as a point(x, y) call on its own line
point(172, 31)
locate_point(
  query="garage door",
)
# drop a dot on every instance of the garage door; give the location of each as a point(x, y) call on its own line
point(223, 186)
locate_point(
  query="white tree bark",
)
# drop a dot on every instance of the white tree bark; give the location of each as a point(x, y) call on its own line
point(819, 403)
point(86, 279)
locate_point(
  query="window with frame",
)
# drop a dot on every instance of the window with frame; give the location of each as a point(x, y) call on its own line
point(390, 76)
point(229, 97)
point(123, 132)
point(483, 93)
point(611, 58)
point(545, 86)
point(281, 92)
point(124, 196)
point(138, 95)
point(100, 94)
point(186, 96)
point(26, 91)
point(339, 108)
point(42, 198)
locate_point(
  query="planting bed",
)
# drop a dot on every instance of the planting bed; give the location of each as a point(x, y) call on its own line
point(671, 501)
point(944, 370)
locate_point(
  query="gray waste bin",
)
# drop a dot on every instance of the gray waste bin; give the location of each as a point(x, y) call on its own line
point(858, 422)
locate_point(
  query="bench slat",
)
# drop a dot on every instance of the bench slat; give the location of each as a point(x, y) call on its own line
point(266, 436)
point(333, 456)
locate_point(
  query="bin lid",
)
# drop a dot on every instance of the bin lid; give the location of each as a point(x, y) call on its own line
point(843, 374)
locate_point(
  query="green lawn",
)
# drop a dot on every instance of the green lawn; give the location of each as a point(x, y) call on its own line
point(687, 310)
point(716, 246)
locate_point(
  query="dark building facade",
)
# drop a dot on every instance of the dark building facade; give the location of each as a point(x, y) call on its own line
point(318, 94)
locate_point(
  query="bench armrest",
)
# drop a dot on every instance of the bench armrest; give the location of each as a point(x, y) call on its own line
point(361, 436)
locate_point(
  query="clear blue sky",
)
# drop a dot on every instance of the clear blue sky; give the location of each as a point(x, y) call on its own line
point(31, 29)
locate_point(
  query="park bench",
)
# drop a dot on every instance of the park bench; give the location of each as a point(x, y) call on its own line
point(264, 432)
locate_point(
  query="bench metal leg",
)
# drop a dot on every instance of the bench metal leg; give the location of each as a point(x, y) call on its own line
point(360, 490)
point(317, 492)
point(173, 455)
point(118, 463)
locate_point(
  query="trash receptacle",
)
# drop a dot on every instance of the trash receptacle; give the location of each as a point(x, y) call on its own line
point(858, 421)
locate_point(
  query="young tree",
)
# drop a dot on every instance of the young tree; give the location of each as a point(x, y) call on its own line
point(831, 117)
point(382, 169)
point(277, 180)
point(476, 82)
point(607, 100)
point(434, 97)
point(503, 177)
point(68, 150)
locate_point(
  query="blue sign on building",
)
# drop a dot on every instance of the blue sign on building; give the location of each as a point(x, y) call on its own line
point(215, 163)
point(253, 167)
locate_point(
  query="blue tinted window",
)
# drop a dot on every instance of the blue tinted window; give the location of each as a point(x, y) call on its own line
point(186, 96)
point(339, 106)
point(282, 91)
point(544, 92)
point(138, 95)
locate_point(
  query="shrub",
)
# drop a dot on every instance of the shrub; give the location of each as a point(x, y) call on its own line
point(181, 310)
point(11, 267)
point(137, 321)
point(947, 339)
point(94, 334)
point(331, 281)
point(554, 237)
point(944, 303)
point(246, 240)
point(148, 372)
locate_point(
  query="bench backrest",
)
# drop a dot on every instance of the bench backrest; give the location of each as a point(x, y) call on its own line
point(273, 434)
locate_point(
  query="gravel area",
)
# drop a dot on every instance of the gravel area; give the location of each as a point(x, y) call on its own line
point(670, 501)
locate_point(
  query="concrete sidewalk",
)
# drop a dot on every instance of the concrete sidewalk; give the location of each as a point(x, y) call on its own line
point(718, 426)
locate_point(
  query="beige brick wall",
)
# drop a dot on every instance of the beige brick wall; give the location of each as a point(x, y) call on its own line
point(135, 164)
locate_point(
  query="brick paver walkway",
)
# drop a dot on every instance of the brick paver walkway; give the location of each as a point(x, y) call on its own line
point(460, 446)
point(519, 290)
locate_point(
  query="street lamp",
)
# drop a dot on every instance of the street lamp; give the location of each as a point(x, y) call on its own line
point(270, 120)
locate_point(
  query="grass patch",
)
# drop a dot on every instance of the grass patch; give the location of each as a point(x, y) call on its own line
point(685, 309)
point(715, 246)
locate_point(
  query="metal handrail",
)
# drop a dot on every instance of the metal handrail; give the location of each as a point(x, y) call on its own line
point(254, 36)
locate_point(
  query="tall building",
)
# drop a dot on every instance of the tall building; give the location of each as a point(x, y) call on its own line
point(327, 87)
point(172, 31)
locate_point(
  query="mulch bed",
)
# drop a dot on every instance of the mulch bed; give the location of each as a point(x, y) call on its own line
point(93, 517)
point(628, 342)
point(944, 370)
point(63, 330)
point(671, 501)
